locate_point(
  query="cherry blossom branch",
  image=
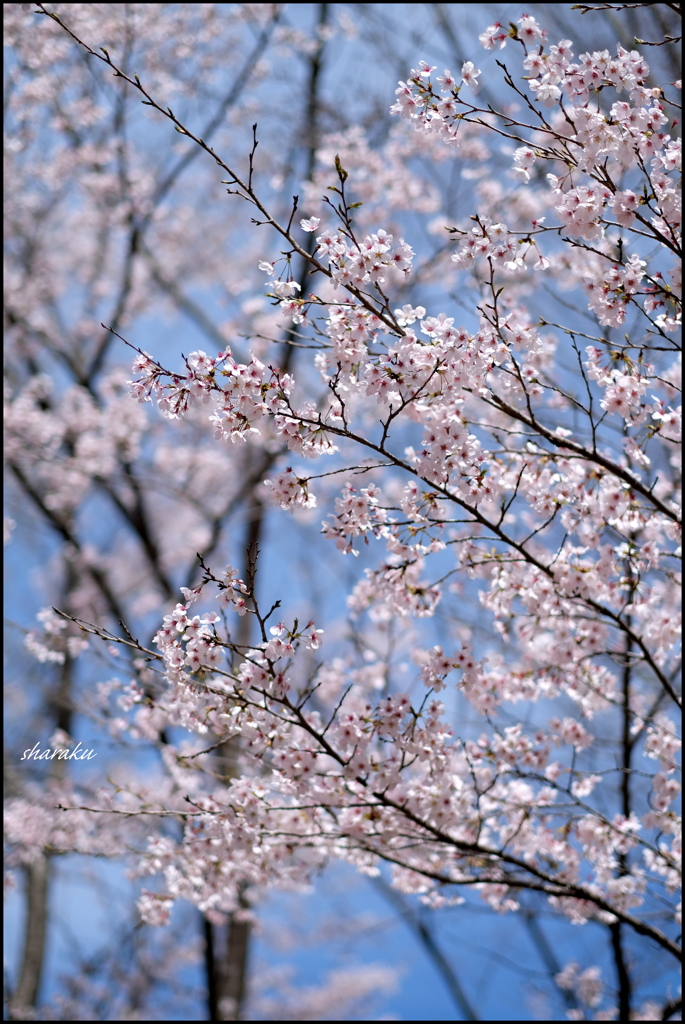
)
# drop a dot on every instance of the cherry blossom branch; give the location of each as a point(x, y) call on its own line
point(548, 886)
point(585, 453)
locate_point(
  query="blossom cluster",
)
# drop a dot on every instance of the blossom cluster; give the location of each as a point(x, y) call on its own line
point(632, 134)
point(403, 750)
point(241, 395)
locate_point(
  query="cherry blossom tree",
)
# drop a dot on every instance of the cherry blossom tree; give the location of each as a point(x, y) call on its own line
point(492, 423)
point(109, 195)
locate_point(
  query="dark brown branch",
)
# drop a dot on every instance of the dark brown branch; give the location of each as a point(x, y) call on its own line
point(429, 943)
point(37, 873)
point(67, 534)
